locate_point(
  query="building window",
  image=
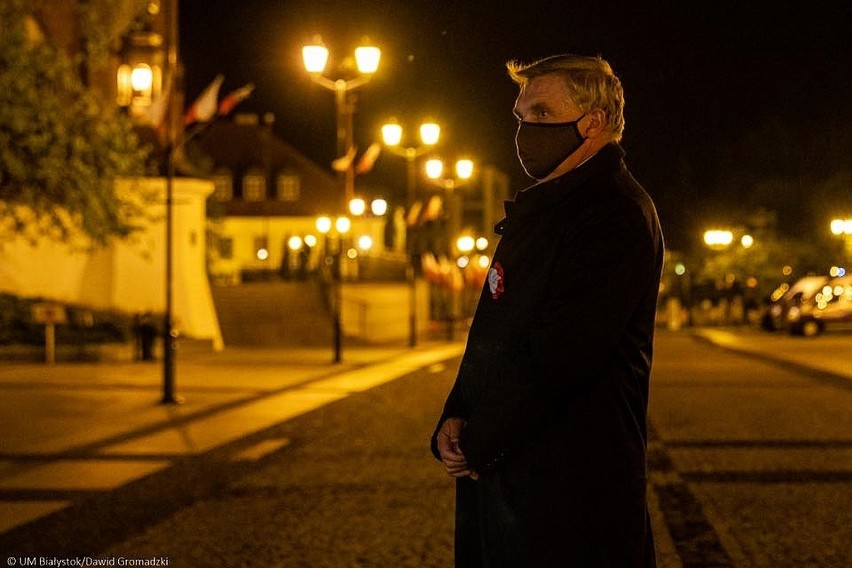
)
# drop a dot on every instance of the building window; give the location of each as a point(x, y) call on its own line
point(288, 186)
point(254, 187)
point(226, 248)
point(223, 185)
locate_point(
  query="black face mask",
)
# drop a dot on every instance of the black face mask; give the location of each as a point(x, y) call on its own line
point(542, 146)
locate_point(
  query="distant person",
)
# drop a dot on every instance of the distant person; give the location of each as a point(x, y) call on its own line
point(145, 327)
point(545, 426)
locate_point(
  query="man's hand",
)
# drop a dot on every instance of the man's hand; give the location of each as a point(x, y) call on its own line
point(448, 446)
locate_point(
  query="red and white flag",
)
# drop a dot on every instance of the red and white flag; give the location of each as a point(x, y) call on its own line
point(156, 113)
point(234, 98)
point(342, 163)
point(434, 208)
point(204, 107)
point(368, 159)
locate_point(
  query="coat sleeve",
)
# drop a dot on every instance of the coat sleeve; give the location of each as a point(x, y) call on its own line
point(454, 407)
point(601, 273)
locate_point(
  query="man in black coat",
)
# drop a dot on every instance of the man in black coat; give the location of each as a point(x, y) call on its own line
point(545, 426)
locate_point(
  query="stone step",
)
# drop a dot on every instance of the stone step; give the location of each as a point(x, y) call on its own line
point(273, 314)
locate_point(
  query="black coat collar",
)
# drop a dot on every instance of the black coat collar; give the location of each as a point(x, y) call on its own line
point(549, 193)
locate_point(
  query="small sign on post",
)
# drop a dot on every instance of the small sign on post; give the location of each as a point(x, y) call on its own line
point(49, 314)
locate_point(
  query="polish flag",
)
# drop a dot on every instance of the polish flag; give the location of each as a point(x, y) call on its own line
point(204, 107)
point(156, 113)
point(365, 164)
point(234, 98)
point(342, 163)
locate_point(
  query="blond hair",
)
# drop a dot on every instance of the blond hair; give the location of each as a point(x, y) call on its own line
point(590, 81)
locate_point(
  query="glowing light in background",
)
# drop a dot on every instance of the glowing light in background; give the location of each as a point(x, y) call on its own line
point(379, 207)
point(718, 238)
point(357, 206)
point(294, 243)
point(365, 242)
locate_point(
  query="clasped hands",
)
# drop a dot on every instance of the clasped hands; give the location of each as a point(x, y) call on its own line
point(448, 446)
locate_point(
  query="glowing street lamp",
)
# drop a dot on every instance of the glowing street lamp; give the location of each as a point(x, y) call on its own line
point(341, 225)
point(434, 168)
point(464, 169)
point(315, 60)
point(323, 225)
point(365, 242)
point(357, 206)
point(718, 238)
point(379, 207)
point(294, 243)
point(465, 244)
point(392, 134)
point(843, 228)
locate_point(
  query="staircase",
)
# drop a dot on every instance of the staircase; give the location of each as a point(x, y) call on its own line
point(273, 314)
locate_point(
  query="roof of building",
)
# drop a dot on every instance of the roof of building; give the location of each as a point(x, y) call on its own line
point(242, 148)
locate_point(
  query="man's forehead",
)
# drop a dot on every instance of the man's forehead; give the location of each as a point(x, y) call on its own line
point(546, 91)
point(545, 86)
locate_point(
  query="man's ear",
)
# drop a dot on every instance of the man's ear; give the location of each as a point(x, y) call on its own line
point(596, 123)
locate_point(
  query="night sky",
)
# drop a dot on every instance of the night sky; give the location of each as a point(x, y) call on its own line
point(730, 106)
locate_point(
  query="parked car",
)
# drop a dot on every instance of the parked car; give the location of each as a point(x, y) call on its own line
point(831, 306)
point(788, 296)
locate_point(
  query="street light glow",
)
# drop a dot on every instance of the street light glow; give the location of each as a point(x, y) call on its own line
point(747, 241)
point(481, 243)
point(464, 169)
point(392, 134)
point(315, 58)
point(311, 240)
point(357, 206)
point(465, 243)
point(430, 132)
point(324, 225)
point(365, 242)
point(841, 227)
point(141, 78)
point(718, 238)
point(367, 58)
point(294, 243)
point(379, 207)
point(343, 224)
point(434, 168)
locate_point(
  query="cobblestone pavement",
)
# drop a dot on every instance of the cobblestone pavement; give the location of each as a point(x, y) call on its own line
point(353, 485)
point(750, 465)
point(751, 458)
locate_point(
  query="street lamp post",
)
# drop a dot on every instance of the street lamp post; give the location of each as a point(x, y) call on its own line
point(139, 87)
point(315, 58)
point(463, 174)
point(392, 132)
point(341, 226)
